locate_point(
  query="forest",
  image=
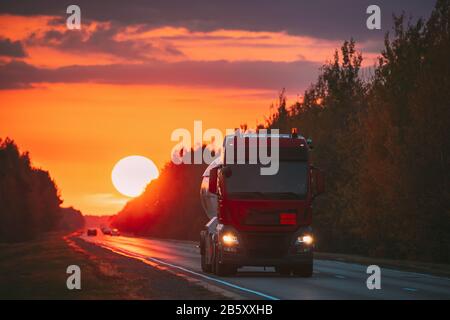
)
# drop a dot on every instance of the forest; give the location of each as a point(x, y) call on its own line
point(381, 139)
point(384, 144)
point(29, 199)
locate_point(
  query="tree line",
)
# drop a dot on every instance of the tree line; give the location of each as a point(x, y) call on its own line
point(382, 141)
point(29, 199)
point(384, 144)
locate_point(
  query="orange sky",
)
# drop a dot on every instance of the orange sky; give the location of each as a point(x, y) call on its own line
point(79, 129)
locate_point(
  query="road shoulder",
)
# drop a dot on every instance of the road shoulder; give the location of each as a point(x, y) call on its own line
point(441, 270)
point(37, 270)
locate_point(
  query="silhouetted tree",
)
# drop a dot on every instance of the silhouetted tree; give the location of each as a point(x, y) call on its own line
point(384, 144)
point(71, 219)
point(29, 200)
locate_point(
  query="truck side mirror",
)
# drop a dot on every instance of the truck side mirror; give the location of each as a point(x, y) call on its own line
point(212, 186)
point(317, 182)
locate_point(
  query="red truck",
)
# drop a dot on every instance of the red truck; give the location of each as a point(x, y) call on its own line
point(260, 220)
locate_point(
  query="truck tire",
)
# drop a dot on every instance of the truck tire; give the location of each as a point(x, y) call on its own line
point(303, 270)
point(206, 267)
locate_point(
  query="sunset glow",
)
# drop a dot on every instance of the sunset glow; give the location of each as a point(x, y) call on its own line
point(78, 100)
point(214, 150)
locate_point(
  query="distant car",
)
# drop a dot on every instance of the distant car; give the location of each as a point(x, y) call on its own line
point(106, 231)
point(115, 232)
point(92, 232)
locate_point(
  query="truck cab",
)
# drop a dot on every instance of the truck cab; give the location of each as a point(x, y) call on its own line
point(257, 219)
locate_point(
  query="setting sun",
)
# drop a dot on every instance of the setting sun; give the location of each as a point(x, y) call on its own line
point(131, 175)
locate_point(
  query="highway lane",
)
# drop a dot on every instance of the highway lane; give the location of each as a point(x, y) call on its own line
point(331, 279)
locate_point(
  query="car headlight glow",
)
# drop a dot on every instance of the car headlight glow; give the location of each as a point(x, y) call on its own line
point(305, 239)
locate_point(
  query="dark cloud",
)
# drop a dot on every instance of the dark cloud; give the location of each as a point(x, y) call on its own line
point(100, 40)
point(318, 18)
point(295, 76)
point(17, 75)
point(10, 48)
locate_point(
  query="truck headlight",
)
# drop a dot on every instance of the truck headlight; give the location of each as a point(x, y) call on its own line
point(230, 239)
point(305, 239)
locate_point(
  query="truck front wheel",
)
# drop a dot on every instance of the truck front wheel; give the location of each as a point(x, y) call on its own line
point(303, 270)
point(206, 253)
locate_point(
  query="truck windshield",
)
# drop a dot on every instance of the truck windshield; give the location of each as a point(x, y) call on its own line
point(246, 182)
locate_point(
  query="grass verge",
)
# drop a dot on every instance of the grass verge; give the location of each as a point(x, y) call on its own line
point(37, 270)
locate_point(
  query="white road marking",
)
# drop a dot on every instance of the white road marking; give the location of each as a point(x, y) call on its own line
point(410, 289)
point(214, 279)
point(130, 253)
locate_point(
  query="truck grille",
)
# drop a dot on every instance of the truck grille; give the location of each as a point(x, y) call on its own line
point(266, 245)
point(265, 217)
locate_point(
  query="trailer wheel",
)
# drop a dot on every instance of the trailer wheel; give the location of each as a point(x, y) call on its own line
point(303, 270)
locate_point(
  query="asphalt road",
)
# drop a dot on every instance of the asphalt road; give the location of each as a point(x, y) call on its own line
point(331, 279)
